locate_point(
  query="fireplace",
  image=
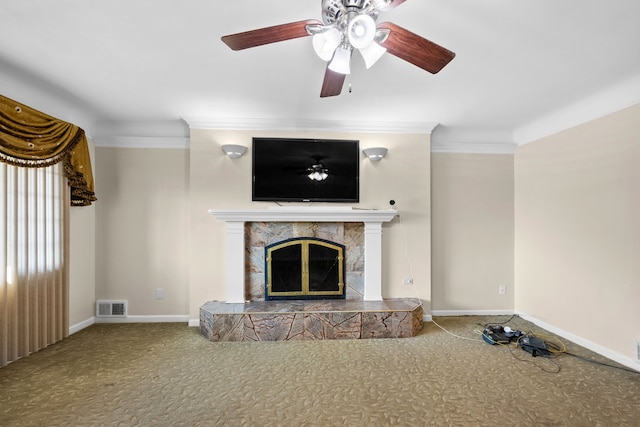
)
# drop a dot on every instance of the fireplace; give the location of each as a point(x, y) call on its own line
point(302, 231)
point(236, 249)
point(304, 268)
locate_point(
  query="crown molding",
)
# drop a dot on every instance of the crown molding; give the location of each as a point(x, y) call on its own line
point(230, 123)
point(164, 142)
point(616, 98)
point(473, 141)
point(474, 147)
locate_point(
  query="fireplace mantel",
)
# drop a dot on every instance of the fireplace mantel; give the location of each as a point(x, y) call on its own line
point(305, 214)
point(235, 220)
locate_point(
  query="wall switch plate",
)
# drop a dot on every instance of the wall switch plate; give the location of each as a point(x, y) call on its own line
point(502, 289)
point(407, 281)
point(159, 293)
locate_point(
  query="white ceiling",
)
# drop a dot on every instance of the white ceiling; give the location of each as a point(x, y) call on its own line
point(138, 67)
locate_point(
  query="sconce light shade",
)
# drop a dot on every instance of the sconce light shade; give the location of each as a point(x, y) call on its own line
point(375, 153)
point(234, 151)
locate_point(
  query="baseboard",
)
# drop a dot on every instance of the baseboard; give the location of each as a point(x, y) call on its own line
point(427, 318)
point(596, 348)
point(194, 323)
point(144, 319)
point(472, 312)
point(80, 326)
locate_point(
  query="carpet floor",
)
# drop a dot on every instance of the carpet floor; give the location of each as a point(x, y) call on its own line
point(169, 375)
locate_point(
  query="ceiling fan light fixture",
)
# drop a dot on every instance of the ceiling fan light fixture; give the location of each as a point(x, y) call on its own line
point(381, 4)
point(372, 53)
point(361, 31)
point(325, 43)
point(341, 60)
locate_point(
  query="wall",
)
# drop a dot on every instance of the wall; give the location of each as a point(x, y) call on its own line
point(473, 232)
point(142, 228)
point(577, 226)
point(82, 255)
point(222, 183)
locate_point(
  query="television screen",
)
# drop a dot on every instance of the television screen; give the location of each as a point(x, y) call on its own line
point(305, 170)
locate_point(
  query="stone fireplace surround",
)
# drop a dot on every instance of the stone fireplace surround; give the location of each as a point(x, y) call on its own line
point(235, 245)
point(360, 316)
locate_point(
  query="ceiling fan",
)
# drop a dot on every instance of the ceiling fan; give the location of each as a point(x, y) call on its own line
point(350, 25)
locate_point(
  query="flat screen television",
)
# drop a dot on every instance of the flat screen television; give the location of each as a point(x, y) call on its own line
point(305, 170)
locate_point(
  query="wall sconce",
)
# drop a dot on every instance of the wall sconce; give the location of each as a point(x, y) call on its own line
point(375, 154)
point(234, 151)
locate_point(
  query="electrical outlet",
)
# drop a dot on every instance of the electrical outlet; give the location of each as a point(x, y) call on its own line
point(502, 289)
point(637, 347)
point(159, 293)
point(407, 281)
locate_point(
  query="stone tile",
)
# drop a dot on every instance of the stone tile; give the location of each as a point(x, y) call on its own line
point(255, 260)
point(353, 234)
point(206, 324)
point(347, 306)
point(319, 305)
point(400, 304)
point(375, 306)
point(344, 326)
point(355, 285)
point(314, 326)
point(417, 316)
point(377, 325)
point(228, 327)
point(261, 234)
point(354, 258)
point(255, 288)
point(296, 333)
point(402, 324)
point(331, 231)
point(270, 327)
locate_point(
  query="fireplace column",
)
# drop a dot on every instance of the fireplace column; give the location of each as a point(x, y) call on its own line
point(373, 261)
point(235, 262)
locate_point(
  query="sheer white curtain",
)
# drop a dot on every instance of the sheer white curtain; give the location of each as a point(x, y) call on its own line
point(33, 267)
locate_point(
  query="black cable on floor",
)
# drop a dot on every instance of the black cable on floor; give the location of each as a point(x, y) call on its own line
point(622, 368)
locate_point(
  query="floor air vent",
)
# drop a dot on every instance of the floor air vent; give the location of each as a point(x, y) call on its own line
point(111, 309)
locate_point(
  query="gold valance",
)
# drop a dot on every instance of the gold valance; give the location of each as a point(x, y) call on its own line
point(30, 138)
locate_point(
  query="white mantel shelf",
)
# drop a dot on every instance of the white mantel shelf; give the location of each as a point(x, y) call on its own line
point(305, 214)
point(235, 220)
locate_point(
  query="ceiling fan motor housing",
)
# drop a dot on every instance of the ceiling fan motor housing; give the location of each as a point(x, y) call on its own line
point(334, 10)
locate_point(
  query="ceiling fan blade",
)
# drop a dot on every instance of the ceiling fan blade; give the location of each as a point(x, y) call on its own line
point(332, 83)
point(415, 49)
point(269, 35)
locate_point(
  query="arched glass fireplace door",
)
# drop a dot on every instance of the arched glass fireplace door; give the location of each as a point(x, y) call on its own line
point(304, 268)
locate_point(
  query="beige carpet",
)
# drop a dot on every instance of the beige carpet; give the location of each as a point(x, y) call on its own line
point(169, 375)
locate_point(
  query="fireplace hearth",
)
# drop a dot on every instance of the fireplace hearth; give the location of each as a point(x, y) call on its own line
point(310, 320)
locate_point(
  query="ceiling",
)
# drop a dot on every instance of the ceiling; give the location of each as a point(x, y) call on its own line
point(138, 68)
